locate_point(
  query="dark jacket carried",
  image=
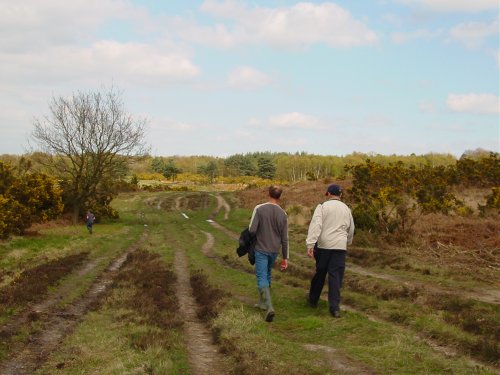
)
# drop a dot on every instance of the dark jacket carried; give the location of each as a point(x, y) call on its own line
point(247, 245)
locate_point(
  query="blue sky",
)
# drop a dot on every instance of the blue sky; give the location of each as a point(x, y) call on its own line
point(222, 77)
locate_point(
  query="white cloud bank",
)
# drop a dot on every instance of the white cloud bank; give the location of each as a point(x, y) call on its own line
point(297, 26)
point(474, 103)
point(147, 64)
point(34, 25)
point(58, 41)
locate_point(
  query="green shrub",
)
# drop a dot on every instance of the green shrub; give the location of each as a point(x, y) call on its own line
point(25, 199)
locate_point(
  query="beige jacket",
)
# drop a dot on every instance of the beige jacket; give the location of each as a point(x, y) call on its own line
point(331, 227)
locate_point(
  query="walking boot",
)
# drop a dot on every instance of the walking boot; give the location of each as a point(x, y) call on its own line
point(262, 300)
point(270, 311)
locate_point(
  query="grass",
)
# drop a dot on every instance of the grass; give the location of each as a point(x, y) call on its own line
point(385, 333)
point(109, 343)
point(136, 329)
point(412, 352)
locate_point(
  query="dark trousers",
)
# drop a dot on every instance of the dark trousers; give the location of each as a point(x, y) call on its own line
point(331, 262)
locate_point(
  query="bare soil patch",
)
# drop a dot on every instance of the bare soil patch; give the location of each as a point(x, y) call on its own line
point(339, 361)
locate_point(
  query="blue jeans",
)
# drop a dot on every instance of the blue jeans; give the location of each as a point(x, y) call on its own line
point(264, 263)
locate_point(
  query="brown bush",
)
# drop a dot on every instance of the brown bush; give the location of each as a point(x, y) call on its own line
point(208, 298)
point(32, 284)
point(307, 194)
point(154, 289)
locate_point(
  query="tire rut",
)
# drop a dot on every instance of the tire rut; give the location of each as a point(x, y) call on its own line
point(58, 323)
point(43, 308)
point(203, 355)
point(488, 296)
point(221, 203)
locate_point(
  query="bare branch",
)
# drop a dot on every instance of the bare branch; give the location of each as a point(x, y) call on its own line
point(88, 137)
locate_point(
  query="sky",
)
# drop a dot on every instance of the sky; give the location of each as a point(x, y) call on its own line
point(221, 77)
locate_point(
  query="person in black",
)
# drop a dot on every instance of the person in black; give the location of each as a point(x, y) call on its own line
point(89, 218)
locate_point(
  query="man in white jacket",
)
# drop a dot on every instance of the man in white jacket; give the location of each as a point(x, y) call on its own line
point(330, 231)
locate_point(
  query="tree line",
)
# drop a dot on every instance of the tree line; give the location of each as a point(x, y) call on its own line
point(290, 167)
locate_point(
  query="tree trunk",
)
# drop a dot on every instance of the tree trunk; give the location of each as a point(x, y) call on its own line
point(76, 211)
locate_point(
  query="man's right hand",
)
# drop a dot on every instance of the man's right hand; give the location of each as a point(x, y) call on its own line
point(310, 252)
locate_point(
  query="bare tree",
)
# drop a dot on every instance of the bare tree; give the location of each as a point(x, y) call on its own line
point(89, 137)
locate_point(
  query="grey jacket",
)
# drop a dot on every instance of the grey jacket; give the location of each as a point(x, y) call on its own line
point(269, 223)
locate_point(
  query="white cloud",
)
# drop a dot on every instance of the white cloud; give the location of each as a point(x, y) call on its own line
point(468, 6)
point(56, 41)
point(102, 61)
point(34, 25)
point(295, 120)
point(297, 26)
point(246, 77)
point(213, 36)
point(474, 103)
point(473, 34)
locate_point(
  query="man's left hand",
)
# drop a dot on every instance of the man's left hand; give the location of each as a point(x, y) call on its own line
point(284, 265)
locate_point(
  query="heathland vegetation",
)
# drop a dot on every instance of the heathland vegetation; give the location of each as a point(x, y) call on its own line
point(421, 292)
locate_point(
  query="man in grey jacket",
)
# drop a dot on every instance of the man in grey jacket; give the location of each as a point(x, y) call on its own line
point(330, 231)
point(269, 223)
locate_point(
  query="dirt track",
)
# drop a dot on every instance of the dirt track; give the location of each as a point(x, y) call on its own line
point(221, 203)
point(57, 323)
point(204, 357)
